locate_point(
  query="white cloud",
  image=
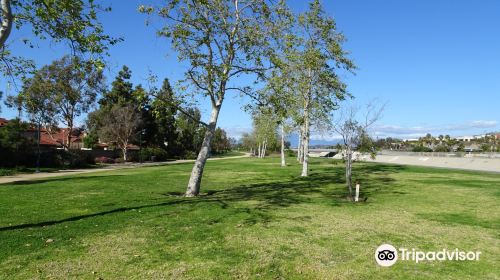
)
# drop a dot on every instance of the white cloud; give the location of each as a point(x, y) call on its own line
point(416, 131)
point(237, 131)
point(325, 137)
point(384, 130)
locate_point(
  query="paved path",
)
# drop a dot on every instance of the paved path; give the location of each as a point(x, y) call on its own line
point(42, 175)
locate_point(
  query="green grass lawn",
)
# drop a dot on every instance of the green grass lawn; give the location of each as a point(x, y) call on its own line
point(254, 220)
point(228, 154)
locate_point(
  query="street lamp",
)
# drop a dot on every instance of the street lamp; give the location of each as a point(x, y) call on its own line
point(143, 132)
point(38, 150)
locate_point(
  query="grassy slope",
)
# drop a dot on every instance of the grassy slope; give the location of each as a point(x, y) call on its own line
point(257, 220)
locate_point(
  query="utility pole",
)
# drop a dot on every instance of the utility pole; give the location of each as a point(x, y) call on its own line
point(143, 131)
point(38, 149)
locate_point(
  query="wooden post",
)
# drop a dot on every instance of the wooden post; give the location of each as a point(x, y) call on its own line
point(356, 198)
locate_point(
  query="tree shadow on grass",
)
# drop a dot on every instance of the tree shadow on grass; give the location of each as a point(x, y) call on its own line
point(327, 186)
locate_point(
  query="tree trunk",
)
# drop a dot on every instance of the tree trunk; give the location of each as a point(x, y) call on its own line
point(283, 163)
point(305, 144)
point(299, 147)
point(348, 171)
point(7, 20)
point(68, 137)
point(264, 148)
point(259, 151)
point(125, 153)
point(193, 188)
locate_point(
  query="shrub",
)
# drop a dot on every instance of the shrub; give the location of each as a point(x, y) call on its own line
point(421, 149)
point(290, 153)
point(79, 158)
point(153, 154)
point(103, 160)
point(118, 160)
point(190, 155)
point(6, 172)
point(442, 148)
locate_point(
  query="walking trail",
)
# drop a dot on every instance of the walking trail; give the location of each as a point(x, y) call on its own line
point(42, 175)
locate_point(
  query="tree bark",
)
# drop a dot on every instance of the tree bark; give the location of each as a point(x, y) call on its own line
point(299, 147)
point(305, 144)
point(7, 19)
point(68, 136)
point(193, 188)
point(264, 147)
point(283, 163)
point(125, 152)
point(259, 151)
point(348, 171)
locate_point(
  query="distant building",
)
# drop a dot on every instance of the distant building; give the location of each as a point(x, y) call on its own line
point(3, 122)
point(58, 138)
point(465, 138)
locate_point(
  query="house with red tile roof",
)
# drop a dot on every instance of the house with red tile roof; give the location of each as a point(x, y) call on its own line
point(58, 138)
point(53, 139)
point(3, 122)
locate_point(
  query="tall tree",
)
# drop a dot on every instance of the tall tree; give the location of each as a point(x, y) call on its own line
point(316, 57)
point(121, 89)
point(36, 100)
point(121, 125)
point(68, 87)
point(265, 124)
point(189, 132)
point(221, 40)
point(124, 93)
point(164, 113)
point(220, 143)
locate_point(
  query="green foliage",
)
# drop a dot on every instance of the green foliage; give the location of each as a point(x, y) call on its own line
point(61, 92)
point(485, 147)
point(6, 172)
point(90, 140)
point(219, 39)
point(12, 135)
point(73, 22)
point(220, 142)
point(442, 148)
point(367, 145)
point(153, 154)
point(121, 90)
point(420, 148)
point(290, 153)
point(78, 159)
point(190, 132)
point(121, 126)
point(265, 126)
point(164, 112)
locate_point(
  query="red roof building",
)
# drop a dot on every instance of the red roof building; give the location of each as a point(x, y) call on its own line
point(3, 122)
point(57, 138)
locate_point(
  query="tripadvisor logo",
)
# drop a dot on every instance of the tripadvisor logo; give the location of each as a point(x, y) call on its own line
point(387, 255)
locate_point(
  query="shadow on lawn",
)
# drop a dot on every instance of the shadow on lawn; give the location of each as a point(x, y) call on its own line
point(327, 187)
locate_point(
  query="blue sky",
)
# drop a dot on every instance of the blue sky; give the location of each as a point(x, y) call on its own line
point(435, 63)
